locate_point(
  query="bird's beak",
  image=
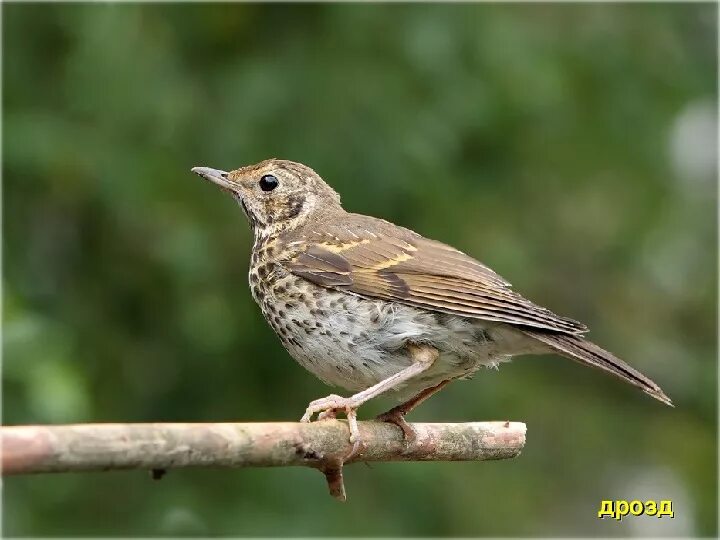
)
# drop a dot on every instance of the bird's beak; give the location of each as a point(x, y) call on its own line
point(216, 177)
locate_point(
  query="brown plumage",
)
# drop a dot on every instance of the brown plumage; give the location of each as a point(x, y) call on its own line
point(588, 353)
point(372, 307)
point(382, 260)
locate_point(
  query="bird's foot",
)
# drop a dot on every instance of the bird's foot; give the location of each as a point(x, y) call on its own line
point(397, 416)
point(327, 408)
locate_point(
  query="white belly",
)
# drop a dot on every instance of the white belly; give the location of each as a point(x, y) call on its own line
point(352, 342)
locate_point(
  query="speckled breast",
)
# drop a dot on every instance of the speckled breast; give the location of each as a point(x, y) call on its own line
point(281, 296)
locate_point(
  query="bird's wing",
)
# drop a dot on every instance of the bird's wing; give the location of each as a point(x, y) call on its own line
point(413, 270)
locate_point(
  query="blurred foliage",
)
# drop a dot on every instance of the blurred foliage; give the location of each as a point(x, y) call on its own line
point(563, 145)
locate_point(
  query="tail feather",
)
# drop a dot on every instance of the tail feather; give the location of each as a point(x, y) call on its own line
point(583, 351)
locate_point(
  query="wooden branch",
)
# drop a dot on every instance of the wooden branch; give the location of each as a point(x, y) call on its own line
point(322, 445)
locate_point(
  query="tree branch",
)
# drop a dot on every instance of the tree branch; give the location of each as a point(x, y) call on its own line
point(322, 445)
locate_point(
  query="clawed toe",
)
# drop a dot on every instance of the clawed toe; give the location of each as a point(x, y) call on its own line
point(324, 406)
point(327, 408)
point(356, 450)
point(397, 417)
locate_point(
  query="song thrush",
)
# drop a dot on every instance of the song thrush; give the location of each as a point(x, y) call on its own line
point(372, 307)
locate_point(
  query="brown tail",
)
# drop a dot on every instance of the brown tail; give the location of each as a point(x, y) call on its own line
point(583, 351)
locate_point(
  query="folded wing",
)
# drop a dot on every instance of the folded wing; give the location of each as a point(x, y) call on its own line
point(405, 267)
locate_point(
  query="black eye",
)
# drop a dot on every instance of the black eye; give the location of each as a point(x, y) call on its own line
point(268, 182)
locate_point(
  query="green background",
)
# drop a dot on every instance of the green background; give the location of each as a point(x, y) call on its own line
point(569, 147)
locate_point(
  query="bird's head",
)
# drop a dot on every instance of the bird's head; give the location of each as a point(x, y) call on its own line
point(275, 194)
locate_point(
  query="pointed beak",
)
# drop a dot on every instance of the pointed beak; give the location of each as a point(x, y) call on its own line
point(216, 177)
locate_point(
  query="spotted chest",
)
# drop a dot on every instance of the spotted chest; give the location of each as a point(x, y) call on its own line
point(323, 330)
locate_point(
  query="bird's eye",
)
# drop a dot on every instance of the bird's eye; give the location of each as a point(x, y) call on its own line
point(268, 182)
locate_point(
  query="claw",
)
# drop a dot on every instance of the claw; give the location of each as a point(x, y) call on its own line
point(397, 417)
point(355, 439)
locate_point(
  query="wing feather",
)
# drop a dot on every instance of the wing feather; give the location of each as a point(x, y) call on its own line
point(402, 266)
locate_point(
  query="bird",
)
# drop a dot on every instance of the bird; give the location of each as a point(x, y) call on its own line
point(376, 308)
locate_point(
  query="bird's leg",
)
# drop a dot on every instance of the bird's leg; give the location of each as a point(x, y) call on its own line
point(396, 415)
point(423, 357)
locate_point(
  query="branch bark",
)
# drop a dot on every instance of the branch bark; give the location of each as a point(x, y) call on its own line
point(322, 445)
